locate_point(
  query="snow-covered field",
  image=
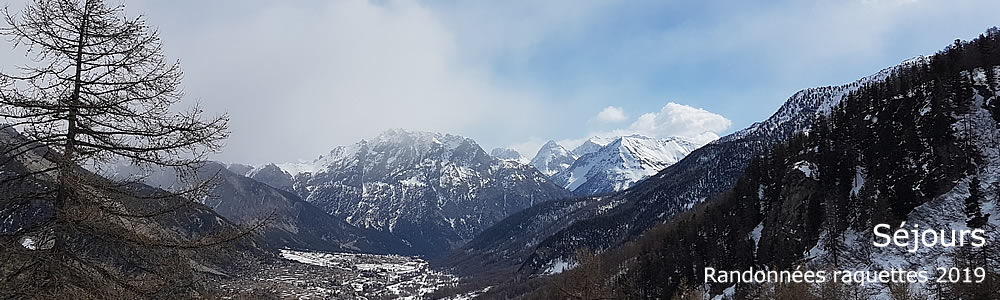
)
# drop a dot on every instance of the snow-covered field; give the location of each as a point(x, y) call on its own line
point(317, 275)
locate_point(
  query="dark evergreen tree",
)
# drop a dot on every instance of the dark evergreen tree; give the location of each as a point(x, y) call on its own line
point(973, 209)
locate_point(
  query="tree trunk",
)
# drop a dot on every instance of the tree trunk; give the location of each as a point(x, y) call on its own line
point(66, 163)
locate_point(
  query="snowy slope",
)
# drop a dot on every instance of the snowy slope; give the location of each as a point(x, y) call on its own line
point(621, 163)
point(975, 125)
point(552, 158)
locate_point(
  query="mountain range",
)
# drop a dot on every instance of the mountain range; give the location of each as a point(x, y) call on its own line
point(434, 191)
point(602, 165)
point(620, 163)
point(414, 193)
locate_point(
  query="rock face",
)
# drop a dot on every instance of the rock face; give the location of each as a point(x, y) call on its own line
point(552, 158)
point(293, 222)
point(435, 191)
point(620, 164)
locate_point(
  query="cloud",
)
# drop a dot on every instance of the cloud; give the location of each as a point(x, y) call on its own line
point(611, 114)
point(695, 124)
point(299, 79)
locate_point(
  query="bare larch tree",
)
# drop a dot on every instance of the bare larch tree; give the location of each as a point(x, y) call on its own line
point(97, 93)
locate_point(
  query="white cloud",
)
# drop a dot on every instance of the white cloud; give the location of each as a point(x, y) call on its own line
point(695, 124)
point(611, 114)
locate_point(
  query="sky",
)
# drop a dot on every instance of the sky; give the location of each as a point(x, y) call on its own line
point(298, 78)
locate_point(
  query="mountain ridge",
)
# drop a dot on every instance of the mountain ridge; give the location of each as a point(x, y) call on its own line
point(433, 190)
point(620, 163)
point(552, 158)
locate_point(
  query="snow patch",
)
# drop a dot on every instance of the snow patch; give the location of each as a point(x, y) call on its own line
point(559, 266)
point(755, 234)
point(413, 181)
point(380, 276)
point(807, 168)
point(859, 181)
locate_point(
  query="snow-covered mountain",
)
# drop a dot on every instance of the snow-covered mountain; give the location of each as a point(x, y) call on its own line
point(508, 154)
point(553, 158)
point(592, 145)
point(436, 191)
point(620, 164)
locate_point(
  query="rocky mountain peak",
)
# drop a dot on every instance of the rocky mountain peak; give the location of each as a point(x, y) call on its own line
point(272, 175)
point(552, 158)
point(591, 145)
point(508, 154)
point(621, 163)
point(433, 190)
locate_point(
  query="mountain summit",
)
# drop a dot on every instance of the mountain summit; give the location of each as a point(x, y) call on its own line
point(592, 145)
point(509, 155)
point(552, 158)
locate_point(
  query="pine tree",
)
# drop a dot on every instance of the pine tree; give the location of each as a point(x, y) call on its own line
point(98, 93)
point(973, 210)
